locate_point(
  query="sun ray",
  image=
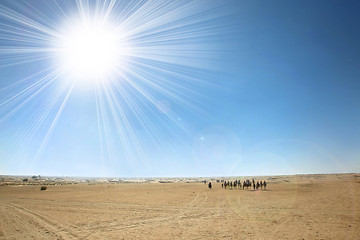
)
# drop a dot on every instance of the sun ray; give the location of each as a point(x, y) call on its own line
point(18, 100)
point(137, 97)
point(20, 19)
point(25, 80)
point(53, 123)
point(38, 119)
point(103, 139)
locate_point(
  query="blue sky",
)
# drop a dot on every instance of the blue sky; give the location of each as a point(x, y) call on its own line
point(207, 88)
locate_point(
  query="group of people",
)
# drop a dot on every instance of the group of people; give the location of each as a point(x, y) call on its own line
point(237, 184)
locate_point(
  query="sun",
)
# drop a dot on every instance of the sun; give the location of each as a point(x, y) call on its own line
point(91, 51)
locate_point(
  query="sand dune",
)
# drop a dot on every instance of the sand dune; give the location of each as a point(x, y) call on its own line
point(293, 207)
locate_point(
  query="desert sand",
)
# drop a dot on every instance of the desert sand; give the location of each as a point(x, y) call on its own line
point(292, 207)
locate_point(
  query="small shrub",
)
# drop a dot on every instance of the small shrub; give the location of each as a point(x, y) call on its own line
point(43, 188)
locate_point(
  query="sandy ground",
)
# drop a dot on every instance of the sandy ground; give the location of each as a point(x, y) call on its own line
point(293, 207)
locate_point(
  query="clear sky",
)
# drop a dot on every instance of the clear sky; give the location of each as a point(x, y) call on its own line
point(179, 88)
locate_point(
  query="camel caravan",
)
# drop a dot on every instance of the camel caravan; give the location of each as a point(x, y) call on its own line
point(237, 184)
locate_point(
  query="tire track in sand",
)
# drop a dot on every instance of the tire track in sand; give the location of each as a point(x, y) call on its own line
point(37, 223)
point(187, 209)
point(17, 226)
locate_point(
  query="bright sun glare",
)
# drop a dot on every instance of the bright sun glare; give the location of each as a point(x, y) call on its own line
point(91, 51)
